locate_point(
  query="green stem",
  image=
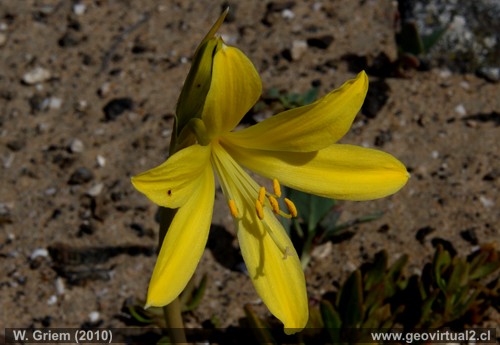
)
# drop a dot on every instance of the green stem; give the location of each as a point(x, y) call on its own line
point(172, 311)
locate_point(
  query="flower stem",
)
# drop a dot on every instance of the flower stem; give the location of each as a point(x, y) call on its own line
point(172, 311)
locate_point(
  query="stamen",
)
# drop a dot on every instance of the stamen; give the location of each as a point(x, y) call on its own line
point(233, 209)
point(291, 207)
point(262, 195)
point(274, 204)
point(277, 188)
point(259, 209)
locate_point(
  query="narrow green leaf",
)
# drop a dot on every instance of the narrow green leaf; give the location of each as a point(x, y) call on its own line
point(260, 329)
point(350, 303)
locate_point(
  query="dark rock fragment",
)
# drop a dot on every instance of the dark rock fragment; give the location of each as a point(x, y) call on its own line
point(80, 176)
point(117, 107)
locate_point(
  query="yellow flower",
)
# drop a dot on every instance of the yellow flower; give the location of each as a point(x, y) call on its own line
point(296, 148)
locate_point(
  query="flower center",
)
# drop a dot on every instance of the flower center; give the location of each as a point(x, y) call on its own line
point(248, 203)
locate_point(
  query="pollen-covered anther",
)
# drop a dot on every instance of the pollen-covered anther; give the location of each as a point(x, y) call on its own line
point(259, 208)
point(274, 204)
point(233, 209)
point(277, 188)
point(262, 195)
point(291, 207)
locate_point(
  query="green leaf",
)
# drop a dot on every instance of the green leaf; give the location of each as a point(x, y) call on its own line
point(311, 208)
point(331, 320)
point(350, 302)
point(197, 295)
point(442, 260)
point(260, 328)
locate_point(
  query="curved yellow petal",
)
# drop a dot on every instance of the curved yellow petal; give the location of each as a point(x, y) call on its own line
point(271, 260)
point(184, 243)
point(339, 171)
point(235, 88)
point(173, 182)
point(308, 128)
point(275, 269)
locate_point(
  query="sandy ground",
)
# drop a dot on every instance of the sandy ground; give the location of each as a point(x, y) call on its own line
point(87, 97)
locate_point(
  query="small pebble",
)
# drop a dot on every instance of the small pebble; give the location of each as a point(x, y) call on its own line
point(117, 107)
point(52, 300)
point(299, 47)
point(80, 176)
point(487, 202)
point(79, 9)
point(55, 103)
point(76, 146)
point(435, 154)
point(287, 14)
point(50, 191)
point(39, 252)
point(101, 161)
point(95, 190)
point(460, 110)
point(104, 89)
point(491, 74)
point(94, 316)
point(37, 75)
point(60, 288)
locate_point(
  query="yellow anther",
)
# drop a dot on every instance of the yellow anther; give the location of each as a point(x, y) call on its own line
point(233, 209)
point(291, 207)
point(274, 204)
point(277, 188)
point(259, 209)
point(262, 195)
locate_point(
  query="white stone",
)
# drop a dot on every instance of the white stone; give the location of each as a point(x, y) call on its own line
point(94, 316)
point(460, 110)
point(299, 47)
point(96, 189)
point(287, 14)
point(37, 75)
point(60, 287)
point(55, 103)
point(101, 161)
point(52, 300)
point(487, 202)
point(39, 252)
point(79, 9)
point(76, 146)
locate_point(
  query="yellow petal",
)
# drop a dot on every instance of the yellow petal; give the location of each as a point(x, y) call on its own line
point(338, 171)
point(271, 260)
point(172, 183)
point(276, 275)
point(235, 88)
point(308, 128)
point(184, 243)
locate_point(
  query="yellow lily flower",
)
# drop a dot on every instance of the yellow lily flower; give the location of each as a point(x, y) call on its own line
point(296, 148)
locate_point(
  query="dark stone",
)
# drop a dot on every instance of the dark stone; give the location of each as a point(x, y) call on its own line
point(447, 245)
point(16, 145)
point(117, 107)
point(80, 176)
point(423, 232)
point(383, 137)
point(377, 96)
point(69, 39)
point(321, 42)
point(470, 236)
